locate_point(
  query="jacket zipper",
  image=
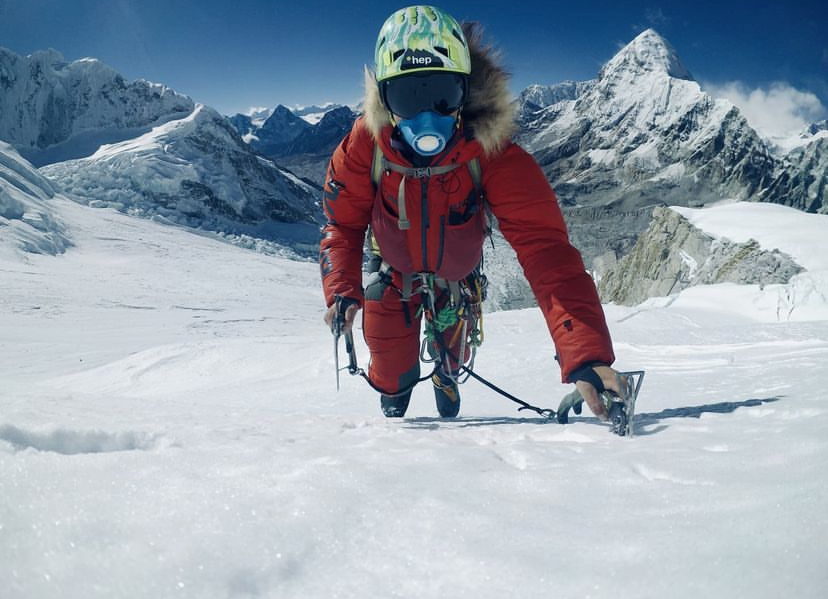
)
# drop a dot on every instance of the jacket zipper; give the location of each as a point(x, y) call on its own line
point(424, 209)
point(442, 243)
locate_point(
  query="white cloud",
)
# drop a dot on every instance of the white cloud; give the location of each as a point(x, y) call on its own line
point(778, 111)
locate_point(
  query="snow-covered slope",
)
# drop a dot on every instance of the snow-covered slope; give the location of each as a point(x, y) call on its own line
point(169, 427)
point(27, 221)
point(53, 110)
point(780, 251)
point(194, 171)
point(799, 235)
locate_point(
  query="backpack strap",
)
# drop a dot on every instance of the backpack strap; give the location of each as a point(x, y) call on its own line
point(477, 179)
point(406, 171)
point(376, 166)
point(476, 175)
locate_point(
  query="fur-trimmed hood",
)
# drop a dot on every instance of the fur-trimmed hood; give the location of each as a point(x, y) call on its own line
point(488, 112)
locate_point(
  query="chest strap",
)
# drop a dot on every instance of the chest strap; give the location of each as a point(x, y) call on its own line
point(409, 171)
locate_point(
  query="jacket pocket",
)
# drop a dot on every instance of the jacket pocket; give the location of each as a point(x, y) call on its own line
point(461, 247)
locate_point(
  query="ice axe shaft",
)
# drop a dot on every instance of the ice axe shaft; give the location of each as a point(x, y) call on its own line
point(338, 330)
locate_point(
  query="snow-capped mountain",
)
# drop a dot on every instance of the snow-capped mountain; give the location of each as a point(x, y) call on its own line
point(645, 132)
point(27, 221)
point(326, 134)
point(194, 171)
point(288, 132)
point(147, 150)
point(816, 128)
point(52, 110)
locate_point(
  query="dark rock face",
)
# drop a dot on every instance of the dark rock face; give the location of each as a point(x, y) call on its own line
point(296, 144)
point(803, 183)
point(278, 132)
point(672, 254)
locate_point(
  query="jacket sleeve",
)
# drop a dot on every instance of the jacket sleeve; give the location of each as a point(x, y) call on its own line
point(531, 221)
point(347, 201)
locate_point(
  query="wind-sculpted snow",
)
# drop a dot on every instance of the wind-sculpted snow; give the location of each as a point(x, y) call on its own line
point(197, 172)
point(27, 221)
point(70, 442)
point(54, 110)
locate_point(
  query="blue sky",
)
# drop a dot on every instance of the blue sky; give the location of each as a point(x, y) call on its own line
point(234, 55)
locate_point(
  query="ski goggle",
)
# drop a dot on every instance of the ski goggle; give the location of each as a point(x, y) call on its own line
point(408, 95)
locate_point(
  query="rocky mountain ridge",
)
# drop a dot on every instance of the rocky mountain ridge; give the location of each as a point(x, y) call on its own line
point(644, 133)
point(296, 142)
point(673, 254)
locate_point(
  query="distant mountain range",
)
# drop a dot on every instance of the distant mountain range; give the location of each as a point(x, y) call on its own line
point(299, 139)
point(147, 150)
point(642, 134)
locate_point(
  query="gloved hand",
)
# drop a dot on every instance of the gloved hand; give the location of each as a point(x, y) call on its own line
point(351, 307)
point(590, 381)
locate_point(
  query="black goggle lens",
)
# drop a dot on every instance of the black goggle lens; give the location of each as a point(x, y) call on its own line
point(409, 95)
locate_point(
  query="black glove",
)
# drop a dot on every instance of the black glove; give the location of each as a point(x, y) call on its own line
point(572, 401)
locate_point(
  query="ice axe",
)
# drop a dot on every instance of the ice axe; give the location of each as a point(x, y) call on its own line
point(338, 330)
point(620, 407)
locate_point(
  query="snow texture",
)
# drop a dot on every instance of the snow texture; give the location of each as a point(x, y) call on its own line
point(169, 428)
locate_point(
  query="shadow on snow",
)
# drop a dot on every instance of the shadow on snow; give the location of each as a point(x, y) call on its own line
point(645, 419)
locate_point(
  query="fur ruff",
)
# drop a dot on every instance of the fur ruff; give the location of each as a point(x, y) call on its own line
point(488, 112)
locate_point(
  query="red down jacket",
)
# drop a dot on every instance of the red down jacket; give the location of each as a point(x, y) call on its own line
point(518, 195)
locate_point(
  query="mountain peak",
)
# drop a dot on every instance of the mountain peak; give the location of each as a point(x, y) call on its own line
point(647, 53)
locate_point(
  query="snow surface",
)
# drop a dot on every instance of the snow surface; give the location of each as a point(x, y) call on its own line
point(169, 428)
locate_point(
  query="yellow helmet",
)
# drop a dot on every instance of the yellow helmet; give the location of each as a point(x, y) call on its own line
point(420, 38)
